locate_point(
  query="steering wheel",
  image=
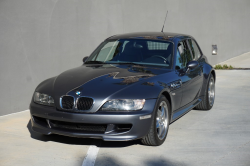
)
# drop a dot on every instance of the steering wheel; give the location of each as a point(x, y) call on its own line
point(159, 56)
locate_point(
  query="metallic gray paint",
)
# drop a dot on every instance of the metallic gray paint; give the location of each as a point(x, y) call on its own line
point(115, 81)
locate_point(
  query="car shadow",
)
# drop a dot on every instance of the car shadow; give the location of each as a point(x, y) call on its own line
point(149, 161)
point(79, 141)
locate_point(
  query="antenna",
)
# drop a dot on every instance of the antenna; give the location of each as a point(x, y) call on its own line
point(164, 21)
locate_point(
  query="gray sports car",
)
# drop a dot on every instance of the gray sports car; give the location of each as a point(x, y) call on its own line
point(131, 87)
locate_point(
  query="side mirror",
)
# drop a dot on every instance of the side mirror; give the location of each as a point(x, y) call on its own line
point(192, 65)
point(84, 59)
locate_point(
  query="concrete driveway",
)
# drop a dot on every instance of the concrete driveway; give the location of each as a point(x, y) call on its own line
point(220, 136)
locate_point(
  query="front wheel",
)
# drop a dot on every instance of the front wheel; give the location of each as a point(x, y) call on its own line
point(160, 123)
point(209, 97)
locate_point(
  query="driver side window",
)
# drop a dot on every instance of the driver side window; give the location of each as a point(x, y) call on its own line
point(178, 64)
point(183, 55)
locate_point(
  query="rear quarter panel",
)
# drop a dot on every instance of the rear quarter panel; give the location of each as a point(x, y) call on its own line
point(207, 71)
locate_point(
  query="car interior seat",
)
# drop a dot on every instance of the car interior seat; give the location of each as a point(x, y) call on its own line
point(132, 52)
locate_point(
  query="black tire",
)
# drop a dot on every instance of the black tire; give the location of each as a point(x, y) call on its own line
point(153, 138)
point(206, 104)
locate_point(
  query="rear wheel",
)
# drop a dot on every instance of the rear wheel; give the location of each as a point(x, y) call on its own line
point(160, 123)
point(208, 100)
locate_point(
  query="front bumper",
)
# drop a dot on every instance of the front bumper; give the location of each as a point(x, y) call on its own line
point(139, 127)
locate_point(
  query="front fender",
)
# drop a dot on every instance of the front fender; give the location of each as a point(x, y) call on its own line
point(141, 90)
point(150, 89)
point(47, 86)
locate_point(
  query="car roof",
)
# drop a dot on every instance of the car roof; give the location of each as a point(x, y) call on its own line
point(149, 35)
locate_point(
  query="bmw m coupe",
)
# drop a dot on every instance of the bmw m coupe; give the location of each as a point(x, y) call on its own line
point(131, 87)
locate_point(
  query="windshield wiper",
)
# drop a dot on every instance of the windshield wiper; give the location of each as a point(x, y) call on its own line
point(94, 62)
point(129, 63)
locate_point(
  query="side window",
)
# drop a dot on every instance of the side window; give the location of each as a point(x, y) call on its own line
point(195, 50)
point(178, 64)
point(183, 55)
point(188, 53)
point(192, 48)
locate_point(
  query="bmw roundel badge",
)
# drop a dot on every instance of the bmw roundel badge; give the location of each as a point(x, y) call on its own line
point(78, 92)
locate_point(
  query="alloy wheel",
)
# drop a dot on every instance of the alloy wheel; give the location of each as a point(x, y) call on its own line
point(211, 91)
point(162, 120)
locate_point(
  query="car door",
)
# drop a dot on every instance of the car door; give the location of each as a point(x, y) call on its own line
point(191, 79)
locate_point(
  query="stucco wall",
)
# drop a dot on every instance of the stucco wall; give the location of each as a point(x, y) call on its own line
point(42, 38)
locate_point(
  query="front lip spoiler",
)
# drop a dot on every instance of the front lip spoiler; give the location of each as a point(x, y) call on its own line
point(40, 129)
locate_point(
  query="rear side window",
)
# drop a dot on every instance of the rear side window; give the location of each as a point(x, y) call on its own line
point(157, 45)
point(194, 48)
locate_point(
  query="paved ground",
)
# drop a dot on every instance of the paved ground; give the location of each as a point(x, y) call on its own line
point(220, 137)
point(241, 61)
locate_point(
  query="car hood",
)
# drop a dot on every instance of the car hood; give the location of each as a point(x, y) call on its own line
point(102, 80)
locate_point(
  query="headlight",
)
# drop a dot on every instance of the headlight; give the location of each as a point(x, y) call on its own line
point(123, 105)
point(44, 99)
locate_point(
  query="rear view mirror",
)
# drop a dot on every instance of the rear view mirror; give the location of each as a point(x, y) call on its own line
point(84, 59)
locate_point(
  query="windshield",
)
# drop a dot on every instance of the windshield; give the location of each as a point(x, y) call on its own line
point(137, 51)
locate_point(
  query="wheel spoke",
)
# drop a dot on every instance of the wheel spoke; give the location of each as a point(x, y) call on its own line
point(162, 112)
point(160, 130)
point(158, 113)
point(157, 124)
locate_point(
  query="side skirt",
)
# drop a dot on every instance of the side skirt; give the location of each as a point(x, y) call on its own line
point(183, 110)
